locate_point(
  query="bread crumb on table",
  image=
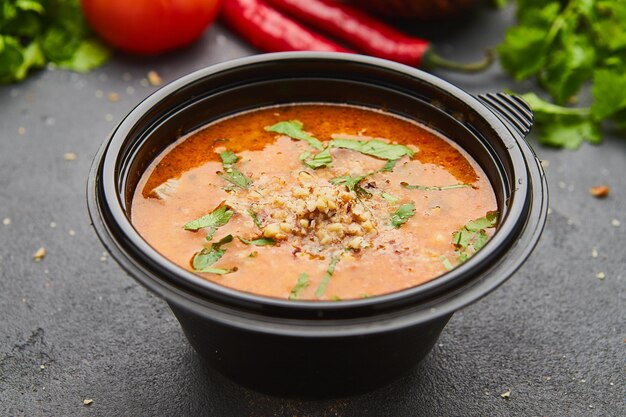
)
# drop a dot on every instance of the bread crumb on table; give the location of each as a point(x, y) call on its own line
point(154, 78)
point(599, 191)
point(39, 254)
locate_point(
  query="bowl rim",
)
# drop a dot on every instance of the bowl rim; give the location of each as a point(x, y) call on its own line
point(108, 214)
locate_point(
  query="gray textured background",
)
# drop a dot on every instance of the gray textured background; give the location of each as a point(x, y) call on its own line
point(74, 326)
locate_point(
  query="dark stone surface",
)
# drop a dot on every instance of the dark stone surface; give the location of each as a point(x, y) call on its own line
point(74, 326)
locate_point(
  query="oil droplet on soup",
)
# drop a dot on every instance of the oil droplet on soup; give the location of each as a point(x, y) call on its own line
point(315, 202)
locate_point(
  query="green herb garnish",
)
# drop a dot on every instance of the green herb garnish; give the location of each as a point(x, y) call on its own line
point(255, 218)
point(293, 129)
point(203, 260)
point(374, 147)
point(229, 158)
point(446, 263)
point(433, 187)
point(232, 174)
point(217, 218)
point(329, 273)
point(390, 198)
point(34, 32)
point(402, 215)
point(352, 183)
point(473, 235)
point(303, 282)
point(567, 44)
point(264, 241)
point(389, 166)
point(319, 160)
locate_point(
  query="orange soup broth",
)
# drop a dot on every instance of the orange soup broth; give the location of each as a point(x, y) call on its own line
point(393, 259)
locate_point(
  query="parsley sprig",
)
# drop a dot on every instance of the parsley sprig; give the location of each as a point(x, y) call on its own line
point(402, 215)
point(321, 288)
point(34, 32)
point(263, 241)
point(472, 237)
point(433, 187)
point(303, 282)
point(319, 160)
point(213, 220)
point(353, 183)
point(565, 45)
point(232, 174)
point(374, 147)
point(293, 129)
point(203, 260)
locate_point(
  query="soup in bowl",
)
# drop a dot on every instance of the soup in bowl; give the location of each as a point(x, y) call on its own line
point(314, 219)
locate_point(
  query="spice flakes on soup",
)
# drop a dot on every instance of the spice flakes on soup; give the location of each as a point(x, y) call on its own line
point(315, 202)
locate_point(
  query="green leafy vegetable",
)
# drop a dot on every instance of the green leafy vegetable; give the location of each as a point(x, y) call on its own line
point(319, 160)
point(473, 236)
point(402, 215)
point(293, 129)
point(203, 260)
point(255, 218)
point(389, 166)
point(228, 159)
point(213, 220)
point(390, 198)
point(264, 241)
point(566, 44)
point(303, 282)
point(374, 147)
point(433, 187)
point(446, 263)
point(33, 32)
point(232, 174)
point(563, 126)
point(352, 183)
point(329, 273)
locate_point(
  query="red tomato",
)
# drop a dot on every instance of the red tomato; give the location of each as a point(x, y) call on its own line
point(150, 26)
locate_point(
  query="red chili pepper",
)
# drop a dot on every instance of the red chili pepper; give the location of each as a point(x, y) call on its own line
point(370, 35)
point(269, 30)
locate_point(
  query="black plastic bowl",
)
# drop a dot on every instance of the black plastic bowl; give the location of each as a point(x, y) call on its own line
point(307, 347)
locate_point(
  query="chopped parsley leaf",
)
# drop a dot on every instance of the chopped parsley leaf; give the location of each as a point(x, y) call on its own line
point(473, 235)
point(433, 187)
point(389, 166)
point(218, 271)
point(402, 215)
point(213, 220)
point(232, 174)
point(303, 282)
point(255, 218)
point(446, 263)
point(374, 147)
point(329, 273)
point(228, 159)
point(203, 260)
point(264, 241)
point(390, 198)
point(319, 160)
point(350, 182)
point(293, 129)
